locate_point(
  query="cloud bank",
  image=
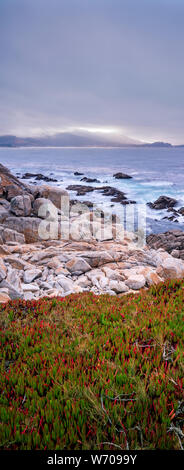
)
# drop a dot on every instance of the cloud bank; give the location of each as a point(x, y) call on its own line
point(92, 64)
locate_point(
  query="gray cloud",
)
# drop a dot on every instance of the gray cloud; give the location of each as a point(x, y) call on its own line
point(94, 63)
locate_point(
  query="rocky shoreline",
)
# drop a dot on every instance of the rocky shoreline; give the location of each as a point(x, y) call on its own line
point(32, 268)
point(54, 269)
point(170, 205)
point(171, 241)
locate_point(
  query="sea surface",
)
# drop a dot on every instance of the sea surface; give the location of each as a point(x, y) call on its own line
point(155, 172)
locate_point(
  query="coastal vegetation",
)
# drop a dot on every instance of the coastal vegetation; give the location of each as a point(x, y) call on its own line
point(93, 372)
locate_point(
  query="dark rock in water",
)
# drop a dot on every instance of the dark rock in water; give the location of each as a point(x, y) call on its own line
point(39, 177)
point(172, 218)
point(181, 211)
point(122, 176)
point(163, 202)
point(29, 175)
point(175, 214)
point(172, 242)
point(171, 209)
point(90, 180)
point(118, 196)
point(46, 178)
point(77, 173)
point(80, 190)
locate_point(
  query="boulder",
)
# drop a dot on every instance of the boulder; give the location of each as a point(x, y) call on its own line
point(121, 176)
point(4, 298)
point(171, 268)
point(99, 233)
point(4, 203)
point(83, 282)
point(14, 278)
point(118, 286)
point(8, 235)
point(77, 266)
point(136, 282)
point(112, 274)
point(54, 263)
point(12, 191)
point(4, 250)
point(28, 226)
point(175, 253)
point(90, 180)
point(52, 293)
point(152, 278)
point(65, 283)
point(12, 292)
point(31, 274)
point(97, 258)
point(39, 255)
point(163, 202)
point(104, 283)
point(40, 201)
point(171, 241)
point(10, 186)
point(30, 288)
point(17, 262)
point(53, 194)
point(61, 270)
point(100, 281)
point(46, 285)
point(4, 213)
point(21, 205)
point(3, 270)
point(29, 295)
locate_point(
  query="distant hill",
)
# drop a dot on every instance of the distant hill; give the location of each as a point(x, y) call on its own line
point(158, 144)
point(66, 139)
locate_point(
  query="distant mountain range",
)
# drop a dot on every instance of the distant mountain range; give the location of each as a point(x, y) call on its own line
point(66, 139)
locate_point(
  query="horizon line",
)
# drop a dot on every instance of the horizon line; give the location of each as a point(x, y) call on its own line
point(93, 146)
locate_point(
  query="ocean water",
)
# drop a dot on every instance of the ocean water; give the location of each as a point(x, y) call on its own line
point(155, 172)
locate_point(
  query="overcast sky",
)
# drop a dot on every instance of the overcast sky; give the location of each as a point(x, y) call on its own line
point(112, 65)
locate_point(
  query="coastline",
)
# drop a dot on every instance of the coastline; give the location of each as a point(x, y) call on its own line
point(97, 257)
point(154, 173)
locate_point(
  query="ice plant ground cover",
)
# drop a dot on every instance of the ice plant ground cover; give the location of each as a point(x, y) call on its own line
point(93, 372)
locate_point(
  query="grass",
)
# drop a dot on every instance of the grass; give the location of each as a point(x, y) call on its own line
point(93, 372)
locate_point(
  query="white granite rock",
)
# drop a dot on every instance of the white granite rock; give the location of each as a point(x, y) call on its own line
point(136, 282)
point(118, 286)
point(31, 274)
